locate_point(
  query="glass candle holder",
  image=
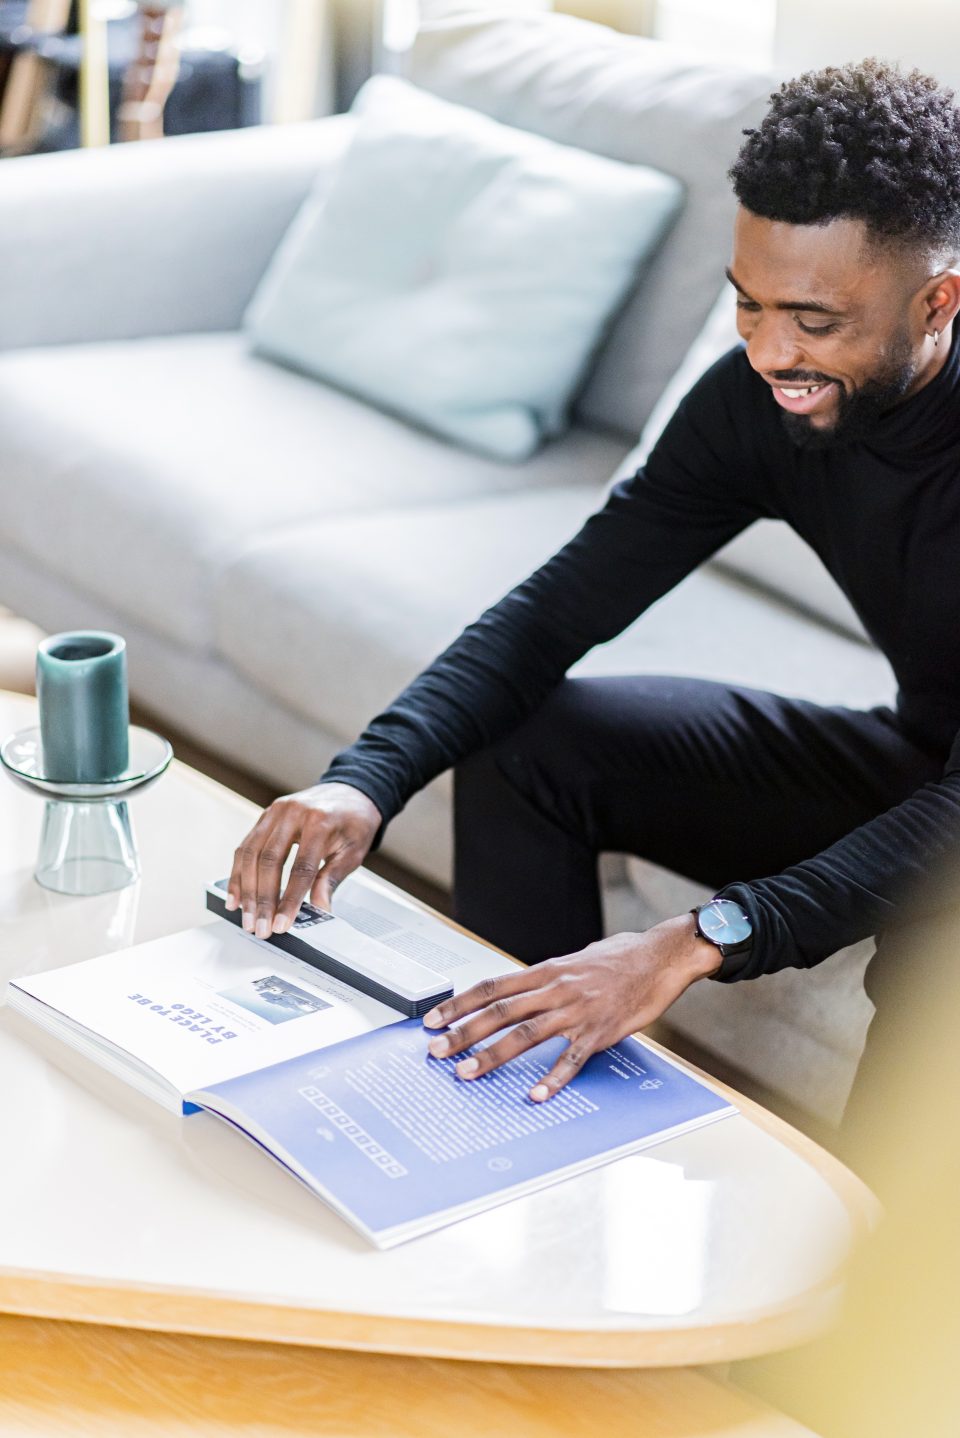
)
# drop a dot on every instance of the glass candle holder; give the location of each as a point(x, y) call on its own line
point(87, 845)
point(84, 708)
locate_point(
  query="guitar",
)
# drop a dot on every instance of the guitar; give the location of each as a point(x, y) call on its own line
point(152, 74)
point(27, 79)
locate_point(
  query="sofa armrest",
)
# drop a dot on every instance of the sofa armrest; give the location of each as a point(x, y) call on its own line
point(154, 238)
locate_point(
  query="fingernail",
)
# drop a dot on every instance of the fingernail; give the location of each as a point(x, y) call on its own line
point(539, 1093)
point(262, 930)
point(231, 903)
point(248, 922)
point(439, 1047)
point(432, 1019)
point(468, 1067)
point(281, 924)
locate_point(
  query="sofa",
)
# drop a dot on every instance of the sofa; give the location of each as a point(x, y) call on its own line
point(283, 557)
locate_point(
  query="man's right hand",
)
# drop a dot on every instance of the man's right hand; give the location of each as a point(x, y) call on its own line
point(332, 825)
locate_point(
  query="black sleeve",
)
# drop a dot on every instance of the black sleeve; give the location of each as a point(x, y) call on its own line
point(693, 495)
point(856, 887)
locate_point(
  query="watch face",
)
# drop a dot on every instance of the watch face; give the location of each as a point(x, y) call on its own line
point(724, 922)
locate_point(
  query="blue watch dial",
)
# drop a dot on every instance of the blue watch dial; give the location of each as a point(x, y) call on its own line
point(724, 922)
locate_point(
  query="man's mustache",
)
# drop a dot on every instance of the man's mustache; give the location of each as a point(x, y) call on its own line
point(796, 376)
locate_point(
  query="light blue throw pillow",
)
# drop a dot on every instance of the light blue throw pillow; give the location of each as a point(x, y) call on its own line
point(458, 272)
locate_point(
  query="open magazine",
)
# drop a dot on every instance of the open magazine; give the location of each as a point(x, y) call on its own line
point(337, 1085)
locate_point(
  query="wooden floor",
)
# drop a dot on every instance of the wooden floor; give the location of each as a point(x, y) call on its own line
point(64, 1380)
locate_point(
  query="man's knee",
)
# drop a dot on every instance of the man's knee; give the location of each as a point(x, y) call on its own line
point(903, 962)
point(536, 751)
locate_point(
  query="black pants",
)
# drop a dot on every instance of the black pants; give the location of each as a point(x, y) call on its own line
point(714, 782)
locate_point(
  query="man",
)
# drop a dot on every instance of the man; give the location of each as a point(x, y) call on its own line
point(841, 415)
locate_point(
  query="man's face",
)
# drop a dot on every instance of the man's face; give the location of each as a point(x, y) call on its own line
point(833, 323)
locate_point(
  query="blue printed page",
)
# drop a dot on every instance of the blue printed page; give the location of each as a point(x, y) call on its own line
point(398, 1144)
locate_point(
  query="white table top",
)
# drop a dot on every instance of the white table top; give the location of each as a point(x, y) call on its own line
point(720, 1244)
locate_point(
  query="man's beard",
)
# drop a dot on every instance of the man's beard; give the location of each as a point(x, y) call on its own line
point(859, 411)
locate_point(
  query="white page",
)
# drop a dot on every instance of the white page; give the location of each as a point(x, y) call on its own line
point(397, 922)
point(207, 1004)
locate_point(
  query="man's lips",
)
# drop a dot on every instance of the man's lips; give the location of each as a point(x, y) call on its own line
point(804, 398)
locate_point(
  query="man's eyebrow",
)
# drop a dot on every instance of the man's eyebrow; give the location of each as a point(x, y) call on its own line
point(816, 306)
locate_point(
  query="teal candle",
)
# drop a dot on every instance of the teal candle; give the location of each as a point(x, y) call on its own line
point(84, 709)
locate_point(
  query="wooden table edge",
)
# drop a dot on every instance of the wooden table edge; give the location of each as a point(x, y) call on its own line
point(209, 1315)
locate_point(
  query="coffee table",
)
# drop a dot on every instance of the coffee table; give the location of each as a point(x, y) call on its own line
point(722, 1244)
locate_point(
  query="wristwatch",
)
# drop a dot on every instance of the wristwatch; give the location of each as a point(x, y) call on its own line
point(724, 923)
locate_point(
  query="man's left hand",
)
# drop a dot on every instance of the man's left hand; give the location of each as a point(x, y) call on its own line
point(592, 998)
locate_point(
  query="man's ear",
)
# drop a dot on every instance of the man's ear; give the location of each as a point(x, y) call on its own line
point(941, 299)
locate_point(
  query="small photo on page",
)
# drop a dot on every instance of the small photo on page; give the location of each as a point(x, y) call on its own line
point(274, 999)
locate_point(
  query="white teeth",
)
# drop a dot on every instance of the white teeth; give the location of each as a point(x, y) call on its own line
point(798, 393)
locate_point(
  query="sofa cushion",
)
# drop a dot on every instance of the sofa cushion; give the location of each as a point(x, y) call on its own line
point(137, 469)
point(631, 99)
point(458, 271)
point(162, 238)
point(333, 620)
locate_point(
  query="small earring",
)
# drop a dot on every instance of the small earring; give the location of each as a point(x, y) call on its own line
point(936, 338)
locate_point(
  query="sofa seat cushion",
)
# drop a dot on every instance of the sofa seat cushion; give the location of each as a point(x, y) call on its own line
point(334, 619)
point(138, 469)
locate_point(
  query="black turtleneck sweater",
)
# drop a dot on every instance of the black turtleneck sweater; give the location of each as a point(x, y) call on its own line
point(883, 515)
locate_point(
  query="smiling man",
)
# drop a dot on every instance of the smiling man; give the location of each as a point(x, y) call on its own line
point(874, 373)
point(840, 414)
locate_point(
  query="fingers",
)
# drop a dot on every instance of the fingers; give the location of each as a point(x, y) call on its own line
point(274, 850)
point(567, 1066)
point(531, 1031)
point(526, 1036)
point(487, 992)
point(233, 883)
point(244, 879)
point(312, 850)
point(540, 1003)
point(333, 873)
point(518, 1009)
point(530, 1000)
point(331, 826)
point(258, 867)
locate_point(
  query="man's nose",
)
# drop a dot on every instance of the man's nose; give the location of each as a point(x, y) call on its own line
point(774, 346)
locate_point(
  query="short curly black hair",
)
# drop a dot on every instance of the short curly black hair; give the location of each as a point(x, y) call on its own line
point(865, 141)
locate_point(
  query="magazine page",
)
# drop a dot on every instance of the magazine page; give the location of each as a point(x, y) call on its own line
point(206, 1004)
point(393, 1140)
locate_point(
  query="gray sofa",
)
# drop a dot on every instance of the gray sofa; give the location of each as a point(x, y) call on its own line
point(283, 558)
